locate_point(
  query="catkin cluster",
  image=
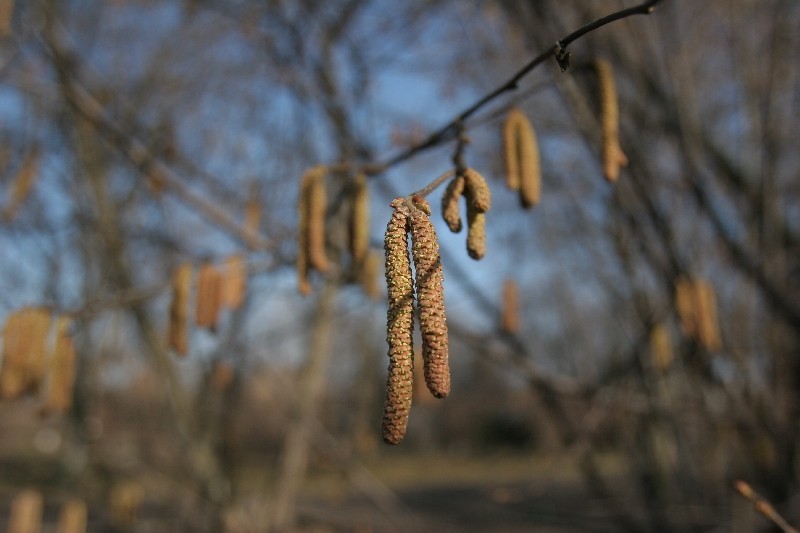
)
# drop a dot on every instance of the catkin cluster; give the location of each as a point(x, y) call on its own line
point(36, 361)
point(413, 217)
point(613, 156)
point(521, 150)
point(472, 186)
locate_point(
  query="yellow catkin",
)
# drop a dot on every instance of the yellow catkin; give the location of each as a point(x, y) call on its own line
point(359, 220)
point(476, 191)
point(522, 157)
point(686, 307)
point(707, 322)
point(368, 275)
point(26, 512)
point(208, 296)
point(62, 369)
point(613, 156)
point(661, 347)
point(125, 500)
point(450, 199)
point(430, 300)
point(399, 325)
point(73, 517)
point(178, 329)
point(6, 16)
point(22, 184)
point(509, 320)
point(24, 350)
point(234, 282)
point(317, 198)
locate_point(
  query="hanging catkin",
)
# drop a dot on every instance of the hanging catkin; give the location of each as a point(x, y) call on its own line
point(72, 518)
point(25, 513)
point(430, 299)
point(686, 307)
point(208, 296)
point(317, 205)
point(450, 199)
point(368, 275)
point(24, 361)
point(521, 149)
point(476, 191)
point(22, 184)
point(62, 370)
point(661, 347)
point(510, 317)
point(178, 329)
point(399, 325)
point(707, 323)
point(359, 220)
point(613, 156)
point(476, 233)
point(234, 282)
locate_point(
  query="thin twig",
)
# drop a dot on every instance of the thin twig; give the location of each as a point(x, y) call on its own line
point(450, 130)
point(763, 506)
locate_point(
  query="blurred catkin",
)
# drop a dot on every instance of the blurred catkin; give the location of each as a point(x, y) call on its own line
point(178, 330)
point(368, 275)
point(430, 301)
point(22, 184)
point(234, 282)
point(450, 199)
point(510, 318)
point(613, 156)
point(317, 198)
point(523, 166)
point(399, 325)
point(24, 349)
point(26, 512)
point(73, 517)
point(359, 220)
point(62, 369)
point(708, 323)
point(661, 347)
point(208, 296)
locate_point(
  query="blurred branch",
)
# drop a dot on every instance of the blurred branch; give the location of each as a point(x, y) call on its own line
point(763, 506)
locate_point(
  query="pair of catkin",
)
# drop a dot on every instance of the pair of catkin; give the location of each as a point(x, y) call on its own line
point(696, 304)
point(612, 155)
point(523, 164)
point(413, 217)
point(473, 187)
point(311, 235)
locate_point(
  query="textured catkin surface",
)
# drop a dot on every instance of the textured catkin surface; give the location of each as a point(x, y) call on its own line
point(477, 191)
point(476, 233)
point(450, 199)
point(430, 303)
point(399, 325)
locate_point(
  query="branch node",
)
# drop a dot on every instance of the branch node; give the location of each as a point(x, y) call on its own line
point(563, 56)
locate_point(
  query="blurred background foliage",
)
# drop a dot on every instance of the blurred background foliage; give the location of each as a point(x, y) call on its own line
point(145, 129)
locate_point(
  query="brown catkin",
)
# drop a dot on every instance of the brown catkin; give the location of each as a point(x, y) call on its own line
point(476, 233)
point(686, 307)
point(25, 515)
point(430, 300)
point(125, 500)
point(509, 320)
point(661, 347)
point(73, 517)
point(234, 282)
point(208, 296)
point(368, 275)
point(450, 199)
point(178, 329)
point(22, 184)
point(6, 16)
point(707, 322)
point(476, 191)
point(522, 157)
point(613, 156)
point(359, 220)
point(317, 198)
point(399, 325)
point(24, 350)
point(62, 370)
